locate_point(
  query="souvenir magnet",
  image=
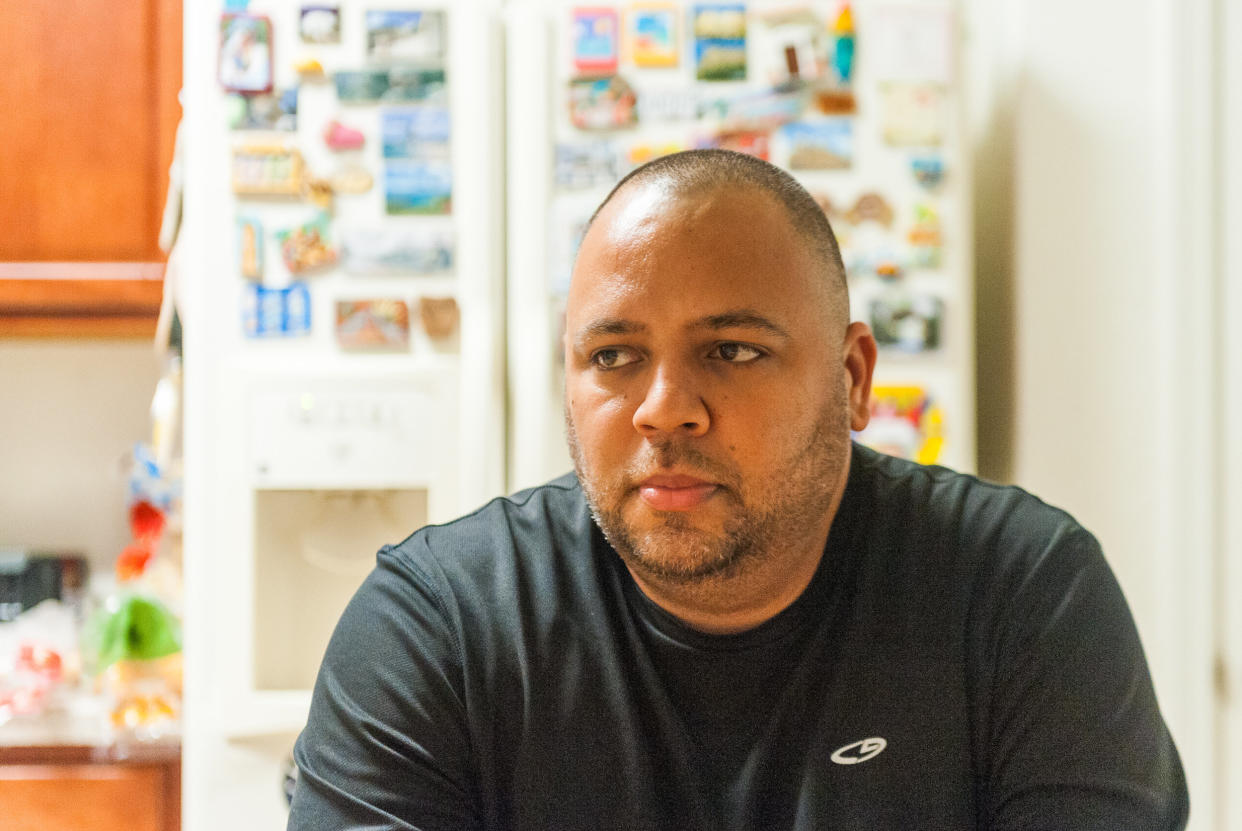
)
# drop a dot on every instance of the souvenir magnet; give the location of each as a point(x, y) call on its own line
point(602, 103)
point(439, 316)
point(310, 70)
point(834, 101)
point(906, 322)
point(820, 145)
point(911, 43)
point(307, 247)
point(264, 111)
point(586, 165)
point(373, 324)
point(651, 32)
point(870, 206)
point(320, 24)
point(396, 251)
point(751, 142)
point(245, 53)
point(668, 105)
point(352, 178)
point(318, 191)
point(261, 170)
point(401, 36)
point(843, 45)
point(760, 110)
point(912, 114)
point(415, 132)
point(339, 137)
point(639, 154)
point(594, 43)
point(928, 170)
point(418, 186)
point(925, 239)
point(394, 84)
point(792, 55)
point(720, 42)
point(905, 422)
point(250, 248)
point(270, 312)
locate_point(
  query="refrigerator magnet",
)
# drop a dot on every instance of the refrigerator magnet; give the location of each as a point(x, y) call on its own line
point(400, 36)
point(418, 186)
point(925, 238)
point(870, 207)
point(340, 137)
point(439, 316)
point(250, 247)
point(410, 132)
point(819, 145)
point(245, 52)
point(652, 35)
point(720, 42)
point(588, 164)
point(906, 321)
point(928, 170)
point(399, 250)
point(267, 170)
point(353, 179)
point(320, 24)
point(307, 247)
point(373, 324)
point(842, 54)
point(594, 43)
point(605, 103)
point(912, 113)
point(270, 111)
point(268, 312)
point(905, 422)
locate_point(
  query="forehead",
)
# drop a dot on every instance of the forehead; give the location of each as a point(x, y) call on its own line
point(653, 251)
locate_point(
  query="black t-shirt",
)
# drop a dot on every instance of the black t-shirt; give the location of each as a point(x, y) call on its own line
point(963, 658)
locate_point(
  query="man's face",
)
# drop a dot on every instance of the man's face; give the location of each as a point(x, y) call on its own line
point(708, 400)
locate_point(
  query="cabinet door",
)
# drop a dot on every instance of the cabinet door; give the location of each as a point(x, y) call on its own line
point(88, 98)
point(95, 797)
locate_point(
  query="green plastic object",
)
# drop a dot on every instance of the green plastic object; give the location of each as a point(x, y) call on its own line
point(141, 629)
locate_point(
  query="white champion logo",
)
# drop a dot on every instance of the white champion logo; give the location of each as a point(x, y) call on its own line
point(861, 751)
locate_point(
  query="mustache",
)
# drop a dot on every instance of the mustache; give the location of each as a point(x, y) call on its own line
point(686, 458)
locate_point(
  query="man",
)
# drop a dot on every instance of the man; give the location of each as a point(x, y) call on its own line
point(731, 617)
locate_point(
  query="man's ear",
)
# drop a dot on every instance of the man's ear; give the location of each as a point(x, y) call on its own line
point(859, 352)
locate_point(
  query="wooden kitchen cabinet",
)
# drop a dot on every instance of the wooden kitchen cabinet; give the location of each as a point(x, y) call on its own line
point(89, 116)
point(75, 788)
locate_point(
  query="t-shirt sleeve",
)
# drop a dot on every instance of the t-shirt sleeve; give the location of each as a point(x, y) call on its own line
point(1076, 737)
point(385, 745)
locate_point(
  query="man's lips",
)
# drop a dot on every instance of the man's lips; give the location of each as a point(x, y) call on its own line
point(675, 492)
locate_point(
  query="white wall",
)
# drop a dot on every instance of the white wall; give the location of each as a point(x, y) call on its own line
point(1096, 278)
point(69, 412)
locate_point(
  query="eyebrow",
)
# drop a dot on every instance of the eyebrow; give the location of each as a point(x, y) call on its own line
point(733, 319)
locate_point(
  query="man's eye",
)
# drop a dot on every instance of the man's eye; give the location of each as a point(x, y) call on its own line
point(737, 353)
point(612, 358)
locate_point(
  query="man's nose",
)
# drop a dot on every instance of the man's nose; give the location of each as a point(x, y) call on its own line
point(672, 404)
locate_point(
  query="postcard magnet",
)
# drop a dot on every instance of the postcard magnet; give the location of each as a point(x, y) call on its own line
point(594, 44)
point(720, 41)
point(912, 114)
point(267, 170)
point(418, 186)
point(820, 145)
point(373, 324)
point(395, 36)
point(652, 34)
point(320, 24)
point(245, 52)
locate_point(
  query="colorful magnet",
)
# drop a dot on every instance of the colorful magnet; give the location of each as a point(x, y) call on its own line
point(339, 137)
point(268, 312)
point(791, 48)
point(307, 247)
point(373, 324)
point(394, 85)
point(834, 101)
point(870, 207)
point(843, 44)
point(643, 152)
point(652, 36)
point(928, 170)
point(720, 42)
point(245, 52)
point(762, 110)
point(402, 36)
point(418, 186)
point(439, 316)
point(320, 24)
point(415, 132)
point(602, 103)
point(263, 111)
point(906, 422)
point(310, 71)
point(594, 44)
point(820, 145)
point(396, 251)
point(263, 170)
point(926, 243)
point(907, 322)
point(751, 142)
point(250, 246)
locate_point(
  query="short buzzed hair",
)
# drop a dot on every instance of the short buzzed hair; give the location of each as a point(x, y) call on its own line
point(700, 171)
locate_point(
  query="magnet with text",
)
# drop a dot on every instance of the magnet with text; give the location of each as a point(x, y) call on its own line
point(275, 312)
point(720, 41)
point(379, 324)
point(245, 52)
point(606, 103)
point(594, 35)
point(250, 247)
point(267, 170)
point(652, 34)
